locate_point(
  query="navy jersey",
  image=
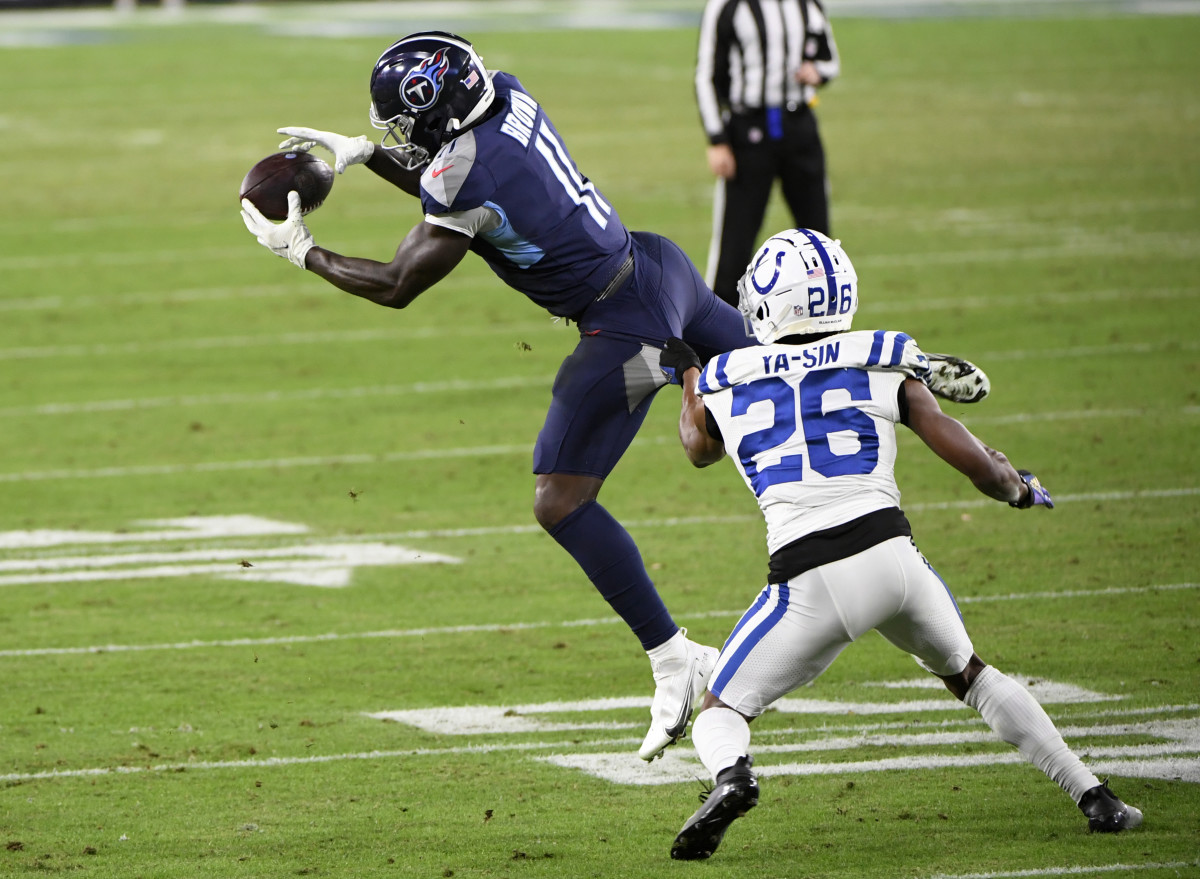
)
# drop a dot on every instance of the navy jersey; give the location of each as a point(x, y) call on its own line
point(542, 227)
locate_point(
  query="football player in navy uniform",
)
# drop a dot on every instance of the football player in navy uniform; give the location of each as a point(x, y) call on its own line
point(495, 178)
point(810, 422)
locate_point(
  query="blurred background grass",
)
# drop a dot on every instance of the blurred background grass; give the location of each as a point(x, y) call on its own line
point(1020, 191)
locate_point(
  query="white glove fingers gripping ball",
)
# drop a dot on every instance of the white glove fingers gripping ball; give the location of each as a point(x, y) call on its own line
point(289, 239)
point(346, 151)
point(254, 220)
point(297, 144)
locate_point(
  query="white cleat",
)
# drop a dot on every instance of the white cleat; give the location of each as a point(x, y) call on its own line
point(955, 379)
point(679, 681)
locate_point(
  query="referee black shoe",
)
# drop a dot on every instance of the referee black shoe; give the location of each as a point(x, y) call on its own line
point(1106, 813)
point(735, 794)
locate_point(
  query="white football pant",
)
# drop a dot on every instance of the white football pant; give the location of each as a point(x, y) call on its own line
point(795, 630)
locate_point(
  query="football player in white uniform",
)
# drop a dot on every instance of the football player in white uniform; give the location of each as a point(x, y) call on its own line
point(810, 421)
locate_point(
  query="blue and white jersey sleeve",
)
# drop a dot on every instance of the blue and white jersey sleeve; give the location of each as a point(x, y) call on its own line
point(811, 427)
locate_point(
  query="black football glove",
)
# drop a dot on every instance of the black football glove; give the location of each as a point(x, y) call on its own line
point(1037, 496)
point(676, 359)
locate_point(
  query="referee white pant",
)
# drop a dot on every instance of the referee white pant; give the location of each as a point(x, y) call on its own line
point(796, 629)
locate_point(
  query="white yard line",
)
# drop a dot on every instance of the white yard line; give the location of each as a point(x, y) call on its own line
point(1180, 246)
point(575, 754)
point(376, 459)
point(361, 336)
point(358, 337)
point(205, 295)
point(1069, 871)
point(1036, 220)
point(1098, 245)
point(517, 626)
point(266, 397)
point(1086, 297)
point(208, 343)
point(267, 463)
point(155, 298)
point(297, 761)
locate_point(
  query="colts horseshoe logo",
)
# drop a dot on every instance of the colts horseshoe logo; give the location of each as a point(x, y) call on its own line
point(761, 288)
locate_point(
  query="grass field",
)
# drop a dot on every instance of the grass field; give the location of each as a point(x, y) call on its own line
point(407, 679)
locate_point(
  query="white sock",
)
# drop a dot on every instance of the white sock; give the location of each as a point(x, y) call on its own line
point(721, 736)
point(673, 651)
point(1015, 716)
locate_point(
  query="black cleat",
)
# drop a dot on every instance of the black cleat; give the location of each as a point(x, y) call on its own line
point(735, 794)
point(1106, 813)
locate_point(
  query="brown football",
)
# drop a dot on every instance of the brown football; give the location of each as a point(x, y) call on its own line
point(268, 183)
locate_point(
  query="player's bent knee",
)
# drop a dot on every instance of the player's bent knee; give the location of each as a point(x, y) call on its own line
point(958, 684)
point(556, 496)
point(548, 515)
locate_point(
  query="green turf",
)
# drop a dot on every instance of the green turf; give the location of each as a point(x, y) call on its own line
point(1021, 193)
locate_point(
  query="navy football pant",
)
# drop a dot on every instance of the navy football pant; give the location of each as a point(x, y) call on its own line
point(604, 388)
point(601, 395)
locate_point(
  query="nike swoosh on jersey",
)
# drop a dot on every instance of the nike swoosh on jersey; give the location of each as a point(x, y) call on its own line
point(439, 171)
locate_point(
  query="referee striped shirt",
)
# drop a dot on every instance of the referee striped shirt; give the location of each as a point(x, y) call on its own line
point(749, 53)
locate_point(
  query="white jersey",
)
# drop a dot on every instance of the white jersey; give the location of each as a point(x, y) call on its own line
point(812, 428)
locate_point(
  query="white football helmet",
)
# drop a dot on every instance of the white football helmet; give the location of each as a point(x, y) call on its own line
point(799, 282)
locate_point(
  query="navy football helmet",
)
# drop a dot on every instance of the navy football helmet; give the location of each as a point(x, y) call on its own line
point(426, 89)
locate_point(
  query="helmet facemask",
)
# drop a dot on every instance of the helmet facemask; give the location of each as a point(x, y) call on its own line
point(397, 140)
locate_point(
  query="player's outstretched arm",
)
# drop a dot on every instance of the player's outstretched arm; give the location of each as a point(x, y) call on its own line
point(701, 447)
point(396, 174)
point(426, 255)
point(682, 366)
point(988, 469)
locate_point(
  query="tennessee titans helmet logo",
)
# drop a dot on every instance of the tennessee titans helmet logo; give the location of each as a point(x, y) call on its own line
point(421, 87)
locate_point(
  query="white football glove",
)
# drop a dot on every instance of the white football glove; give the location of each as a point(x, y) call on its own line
point(346, 151)
point(289, 239)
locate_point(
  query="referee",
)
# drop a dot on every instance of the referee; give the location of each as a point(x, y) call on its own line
point(758, 68)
